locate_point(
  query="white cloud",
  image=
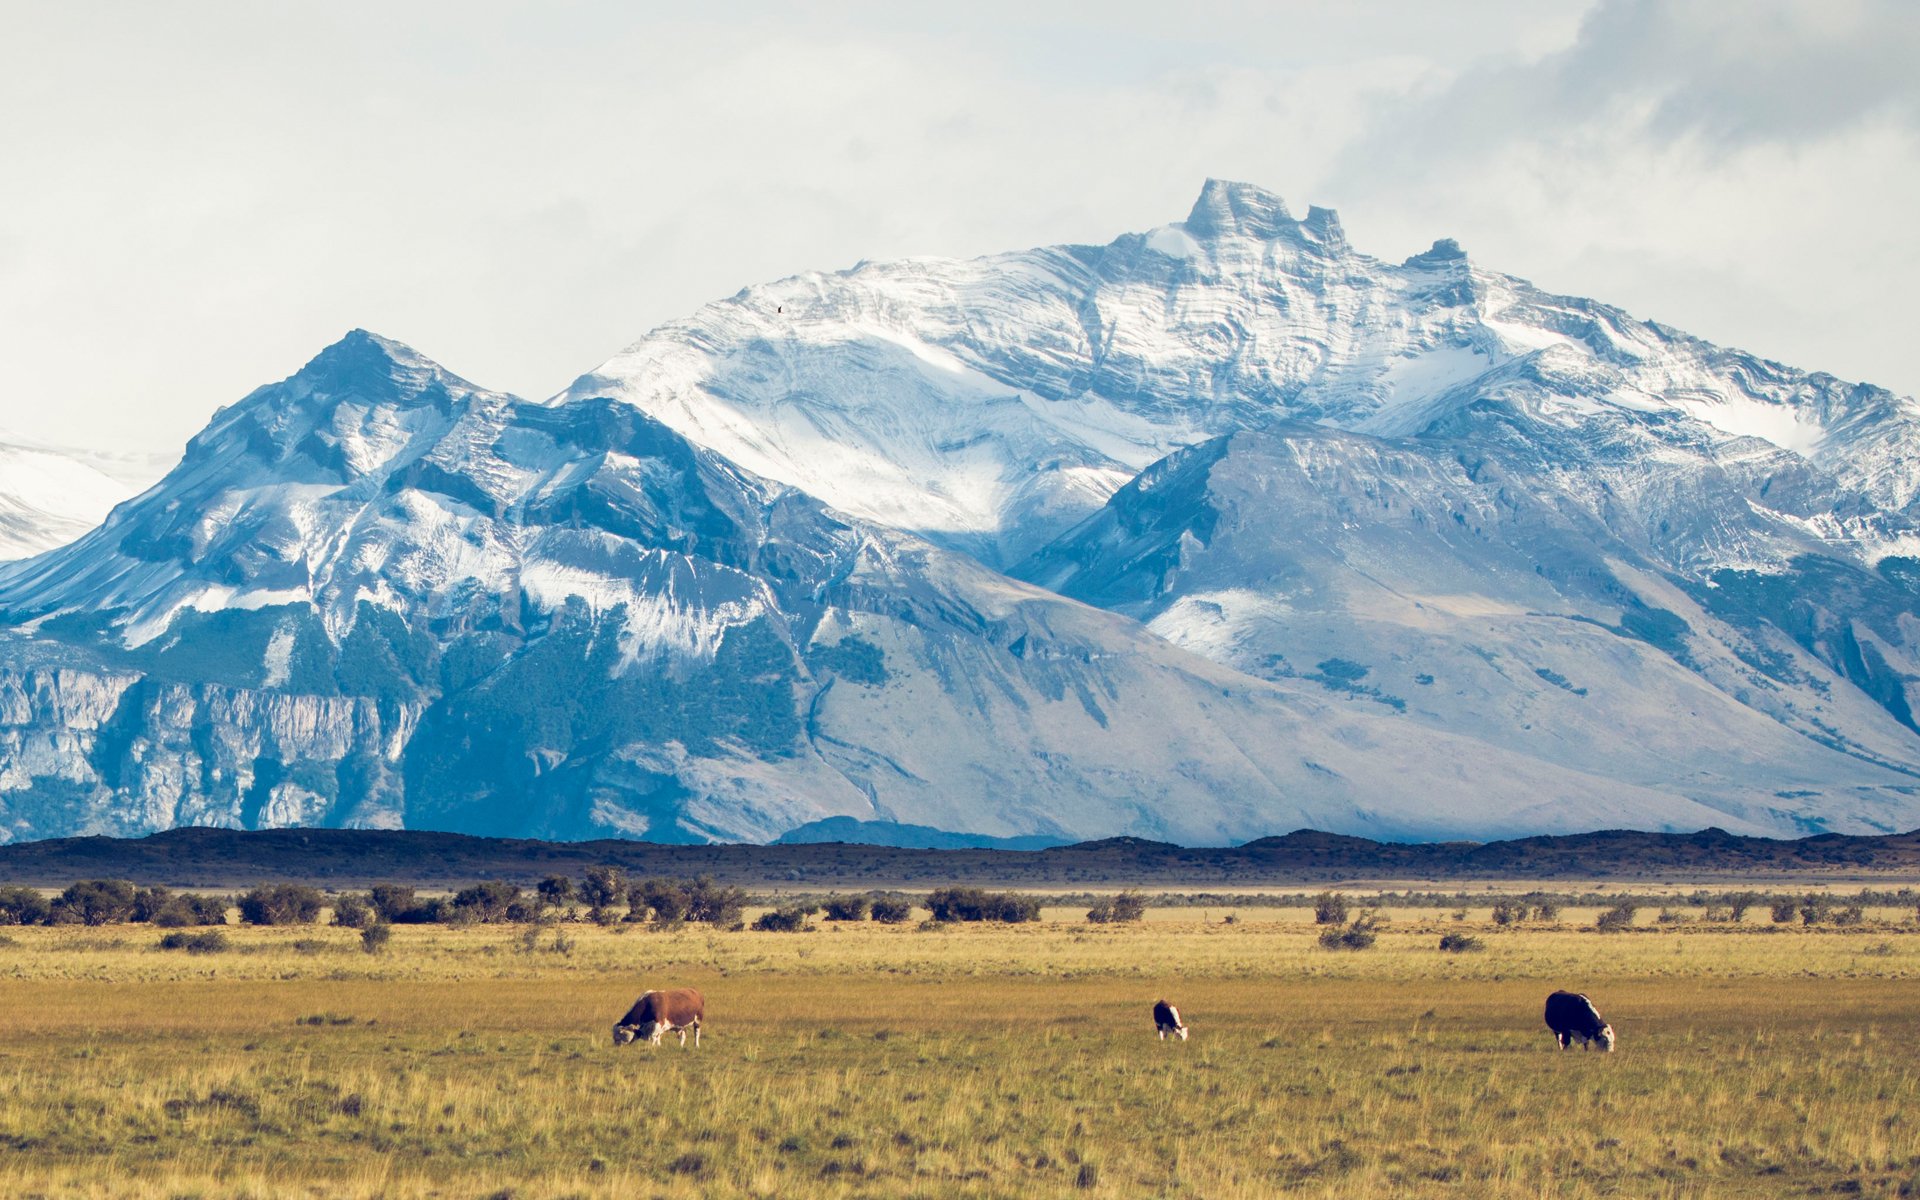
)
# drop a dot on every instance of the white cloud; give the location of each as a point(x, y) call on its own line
point(208, 193)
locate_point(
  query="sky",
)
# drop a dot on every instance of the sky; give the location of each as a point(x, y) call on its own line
point(196, 197)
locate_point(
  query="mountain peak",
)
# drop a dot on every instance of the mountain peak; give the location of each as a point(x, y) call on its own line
point(366, 363)
point(1229, 209)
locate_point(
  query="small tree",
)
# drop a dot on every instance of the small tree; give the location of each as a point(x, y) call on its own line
point(889, 911)
point(23, 906)
point(1329, 908)
point(486, 903)
point(94, 902)
point(1738, 904)
point(1506, 912)
point(282, 904)
point(1815, 908)
point(713, 903)
point(148, 901)
point(1784, 911)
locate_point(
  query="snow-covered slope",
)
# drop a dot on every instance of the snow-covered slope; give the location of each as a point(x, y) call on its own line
point(48, 498)
point(375, 594)
point(1428, 579)
point(989, 404)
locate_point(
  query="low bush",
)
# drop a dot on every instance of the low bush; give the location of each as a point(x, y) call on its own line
point(1784, 911)
point(94, 902)
point(353, 910)
point(847, 908)
point(1359, 935)
point(1118, 910)
point(889, 911)
point(374, 938)
point(1329, 908)
point(792, 918)
point(1619, 917)
point(1459, 943)
point(973, 904)
point(1506, 912)
point(211, 942)
point(188, 909)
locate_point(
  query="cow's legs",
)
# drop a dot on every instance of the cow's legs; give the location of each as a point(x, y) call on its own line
point(696, 1035)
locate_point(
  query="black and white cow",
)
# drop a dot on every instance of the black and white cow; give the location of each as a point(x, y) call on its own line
point(1571, 1015)
point(1166, 1019)
point(657, 1013)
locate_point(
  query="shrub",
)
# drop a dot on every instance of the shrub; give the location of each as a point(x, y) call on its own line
point(1815, 909)
point(1359, 935)
point(211, 942)
point(1547, 911)
point(1852, 914)
point(188, 909)
point(603, 887)
point(665, 899)
point(1127, 906)
point(23, 906)
point(1738, 904)
point(352, 910)
point(487, 903)
point(374, 938)
point(889, 911)
point(1784, 911)
point(1506, 912)
point(94, 902)
point(972, 904)
point(1459, 943)
point(791, 918)
point(148, 901)
point(713, 903)
point(1329, 908)
point(282, 904)
point(555, 890)
point(397, 905)
point(1619, 917)
point(1669, 917)
point(847, 908)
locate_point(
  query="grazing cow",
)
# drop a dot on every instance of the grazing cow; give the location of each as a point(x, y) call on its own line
point(1571, 1015)
point(1166, 1018)
point(656, 1013)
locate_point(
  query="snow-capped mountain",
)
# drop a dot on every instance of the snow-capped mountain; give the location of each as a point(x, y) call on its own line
point(1464, 489)
point(375, 594)
point(48, 498)
point(1215, 531)
point(989, 404)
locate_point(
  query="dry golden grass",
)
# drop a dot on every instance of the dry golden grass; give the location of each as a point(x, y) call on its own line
point(874, 1061)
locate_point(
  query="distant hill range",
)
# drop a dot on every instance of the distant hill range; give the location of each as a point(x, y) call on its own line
point(198, 857)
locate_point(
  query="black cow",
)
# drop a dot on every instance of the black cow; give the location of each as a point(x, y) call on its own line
point(1571, 1015)
point(1166, 1019)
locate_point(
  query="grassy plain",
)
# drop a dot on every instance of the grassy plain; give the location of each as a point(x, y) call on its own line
point(862, 1060)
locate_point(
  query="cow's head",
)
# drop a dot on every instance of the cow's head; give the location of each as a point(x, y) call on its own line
point(1606, 1037)
point(622, 1034)
point(1182, 1031)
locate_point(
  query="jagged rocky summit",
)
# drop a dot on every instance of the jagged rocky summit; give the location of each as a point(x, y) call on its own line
point(1217, 531)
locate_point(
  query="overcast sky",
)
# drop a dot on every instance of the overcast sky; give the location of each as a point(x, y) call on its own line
point(196, 197)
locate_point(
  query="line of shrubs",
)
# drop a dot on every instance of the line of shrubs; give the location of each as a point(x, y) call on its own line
point(110, 902)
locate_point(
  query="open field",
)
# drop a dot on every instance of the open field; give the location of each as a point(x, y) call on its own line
point(863, 1060)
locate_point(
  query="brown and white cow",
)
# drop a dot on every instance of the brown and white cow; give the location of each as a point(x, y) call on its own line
point(656, 1013)
point(1166, 1019)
